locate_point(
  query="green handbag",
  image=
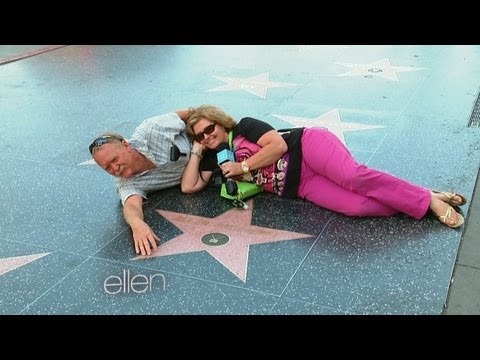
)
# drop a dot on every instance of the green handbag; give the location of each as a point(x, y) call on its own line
point(245, 190)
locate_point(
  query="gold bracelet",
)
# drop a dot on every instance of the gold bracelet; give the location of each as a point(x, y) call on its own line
point(195, 152)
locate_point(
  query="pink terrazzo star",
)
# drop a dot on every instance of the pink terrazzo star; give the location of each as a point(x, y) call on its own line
point(12, 263)
point(235, 224)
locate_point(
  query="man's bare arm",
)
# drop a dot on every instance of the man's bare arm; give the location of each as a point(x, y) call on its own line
point(144, 238)
point(183, 114)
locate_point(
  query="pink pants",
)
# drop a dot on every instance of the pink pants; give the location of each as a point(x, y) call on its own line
point(331, 178)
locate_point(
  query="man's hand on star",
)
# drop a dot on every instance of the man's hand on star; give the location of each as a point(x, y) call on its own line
point(145, 239)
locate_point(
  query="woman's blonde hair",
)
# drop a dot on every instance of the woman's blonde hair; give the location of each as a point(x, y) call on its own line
point(211, 113)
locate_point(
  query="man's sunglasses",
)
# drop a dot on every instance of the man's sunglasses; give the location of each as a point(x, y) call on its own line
point(207, 131)
point(100, 141)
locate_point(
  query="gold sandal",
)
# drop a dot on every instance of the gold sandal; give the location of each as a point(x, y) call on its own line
point(451, 198)
point(448, 213)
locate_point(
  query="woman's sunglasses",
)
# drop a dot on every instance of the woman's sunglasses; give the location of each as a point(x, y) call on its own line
point(207, 131)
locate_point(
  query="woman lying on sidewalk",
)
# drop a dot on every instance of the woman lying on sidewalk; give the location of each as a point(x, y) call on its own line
point(309, 163)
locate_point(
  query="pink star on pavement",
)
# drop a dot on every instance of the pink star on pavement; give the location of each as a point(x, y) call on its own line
point(234, 225)
point(12, 263)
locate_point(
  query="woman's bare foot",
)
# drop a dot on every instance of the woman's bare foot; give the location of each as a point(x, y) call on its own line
point(444, 212)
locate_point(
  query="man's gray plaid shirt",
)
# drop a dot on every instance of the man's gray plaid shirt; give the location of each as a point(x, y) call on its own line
point(153, 138)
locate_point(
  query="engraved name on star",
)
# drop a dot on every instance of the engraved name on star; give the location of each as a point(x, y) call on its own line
point(381, 68)
point(232, 230)
point(256, 85)
point(330, 120)
point(12, 263)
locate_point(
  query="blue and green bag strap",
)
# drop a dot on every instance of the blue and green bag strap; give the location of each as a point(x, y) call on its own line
point(230, 139)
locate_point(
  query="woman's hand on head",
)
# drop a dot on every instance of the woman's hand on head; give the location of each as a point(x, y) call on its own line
point(197, 146)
